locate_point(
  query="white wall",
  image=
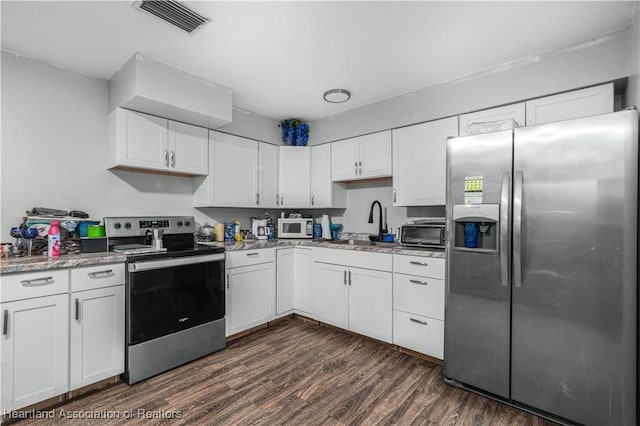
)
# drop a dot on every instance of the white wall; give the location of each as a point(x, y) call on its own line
point(633, 87)
point(590, 63)
point(54, 152)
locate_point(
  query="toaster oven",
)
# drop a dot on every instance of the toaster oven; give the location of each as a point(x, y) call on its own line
point(427, 233)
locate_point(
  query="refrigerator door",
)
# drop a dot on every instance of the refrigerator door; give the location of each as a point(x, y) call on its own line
point(477, 314)
point(574, 268)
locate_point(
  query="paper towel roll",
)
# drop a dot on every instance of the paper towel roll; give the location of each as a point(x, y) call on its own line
point(326, 230)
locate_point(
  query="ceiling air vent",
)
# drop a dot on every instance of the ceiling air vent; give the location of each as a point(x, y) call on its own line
point(175, 13)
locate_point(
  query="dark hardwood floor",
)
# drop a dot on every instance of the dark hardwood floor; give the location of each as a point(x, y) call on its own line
point(294, 373)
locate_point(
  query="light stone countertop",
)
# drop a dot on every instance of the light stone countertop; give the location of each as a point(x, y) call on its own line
point(42, 263)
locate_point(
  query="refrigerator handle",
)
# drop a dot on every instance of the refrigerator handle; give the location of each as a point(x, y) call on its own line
point(517, 229)
point(504, 228)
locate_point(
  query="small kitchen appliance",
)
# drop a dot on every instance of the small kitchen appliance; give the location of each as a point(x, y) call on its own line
point(175, 293)
point(295, 227)
point(426, 233)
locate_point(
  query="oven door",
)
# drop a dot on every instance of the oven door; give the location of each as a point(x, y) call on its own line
point(173, 294)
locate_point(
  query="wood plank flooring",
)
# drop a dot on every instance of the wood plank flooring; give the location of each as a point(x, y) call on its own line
point(294, 373)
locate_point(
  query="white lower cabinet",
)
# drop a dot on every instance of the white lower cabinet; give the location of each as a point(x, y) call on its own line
point(355, 298)
point(285, 282)
point(418, 304)
point(35, 350)
point(251, 289)
point(303, 298)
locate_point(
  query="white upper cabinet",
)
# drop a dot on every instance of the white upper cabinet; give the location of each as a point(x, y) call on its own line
point(229, 184)
point(294, 176)
point(364, 157)
point(188, 149)
point(419, 157)
point(324, 192)
point(268, 175)
point(565, 106)
point(515, 112)
point(145, 142)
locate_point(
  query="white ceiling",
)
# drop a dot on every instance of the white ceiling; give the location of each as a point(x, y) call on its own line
point(279, 57)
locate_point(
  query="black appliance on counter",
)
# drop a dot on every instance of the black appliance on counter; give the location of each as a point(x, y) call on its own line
point(175, 295)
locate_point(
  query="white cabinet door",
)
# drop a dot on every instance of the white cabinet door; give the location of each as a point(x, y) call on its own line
point(324, 192)
point(331, 294)
point(141, 140)
point(514, 112)
point(370, 307)
point(303, 299)
point(295, 179)
point(188, 149)
point(345, 155)
point(233, 177)
point(268, 175)
point(251, 294)
point(97, 335)
point(375, 155)
point(419, 157)
point(285, 266)
point(34, 349)
point(565, 106)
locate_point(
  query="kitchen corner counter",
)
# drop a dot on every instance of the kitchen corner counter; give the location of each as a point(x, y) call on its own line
point(390, 248)
point(41, 263)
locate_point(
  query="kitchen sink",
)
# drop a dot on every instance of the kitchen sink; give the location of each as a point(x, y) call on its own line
point(363, 243)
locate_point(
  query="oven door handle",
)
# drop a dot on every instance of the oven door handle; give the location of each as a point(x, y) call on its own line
point(178, 261)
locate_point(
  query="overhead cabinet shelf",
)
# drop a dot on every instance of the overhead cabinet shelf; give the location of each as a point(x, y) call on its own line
point(144, 142)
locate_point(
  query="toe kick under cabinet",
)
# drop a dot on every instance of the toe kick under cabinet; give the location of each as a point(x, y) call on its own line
point(61, 329)
point(418, 304)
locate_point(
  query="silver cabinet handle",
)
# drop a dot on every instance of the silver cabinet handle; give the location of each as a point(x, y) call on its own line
point(349, 277)
point(395, 192)
point(77, 309)
point(360, 167)
point(419, 282)
point(313, 198)
point(517, 229)
point(277, 200)
point(418, 321)
point(255, 253)
point(355, 168)
point(413, 262)
point(166, 158)
point(504, 229)
point(106, 272)
point(227, 280)
point(173, 159)
point(281, 199)
point(257, 199)
point(5, 323)
point(345, 277)
point(37, 281)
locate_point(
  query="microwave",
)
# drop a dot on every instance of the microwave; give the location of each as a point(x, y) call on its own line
point(428, 233)
point(295, 228)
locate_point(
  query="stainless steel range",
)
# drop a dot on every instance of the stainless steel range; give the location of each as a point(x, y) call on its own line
point(175, 293)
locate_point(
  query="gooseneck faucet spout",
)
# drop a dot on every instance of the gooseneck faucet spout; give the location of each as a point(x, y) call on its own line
point(380, 217)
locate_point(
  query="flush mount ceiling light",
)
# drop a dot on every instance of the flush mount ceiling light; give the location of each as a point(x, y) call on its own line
point(336, 96)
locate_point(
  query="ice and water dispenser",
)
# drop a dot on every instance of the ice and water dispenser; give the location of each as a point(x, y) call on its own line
point(475, 227)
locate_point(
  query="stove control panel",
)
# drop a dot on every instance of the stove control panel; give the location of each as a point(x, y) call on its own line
point(131, 226)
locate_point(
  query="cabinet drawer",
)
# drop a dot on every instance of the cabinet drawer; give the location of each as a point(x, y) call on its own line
point(100, 276)
point(239, 258)
point(419, 295)
point(34, 284)
point(352, 258)
point(418, 333)
point(419, 265)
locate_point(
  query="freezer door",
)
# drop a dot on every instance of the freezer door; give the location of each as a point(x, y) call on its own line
point(574, 268)
point(477, 314)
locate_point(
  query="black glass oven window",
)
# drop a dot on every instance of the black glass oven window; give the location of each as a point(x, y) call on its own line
point(163, 301)
point(292, 228)
point(422, 235)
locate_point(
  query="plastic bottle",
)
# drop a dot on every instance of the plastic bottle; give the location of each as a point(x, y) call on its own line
point(238, 234)
point(53, 246)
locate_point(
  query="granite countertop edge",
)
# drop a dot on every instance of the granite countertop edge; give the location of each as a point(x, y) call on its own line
point(42, 263)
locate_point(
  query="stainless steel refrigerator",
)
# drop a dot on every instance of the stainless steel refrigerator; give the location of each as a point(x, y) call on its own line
point(542, 267)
